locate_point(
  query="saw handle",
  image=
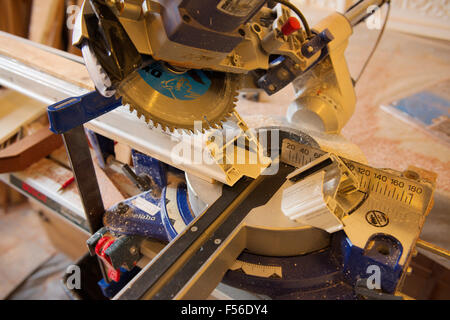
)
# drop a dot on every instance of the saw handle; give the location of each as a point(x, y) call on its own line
point(73, 112)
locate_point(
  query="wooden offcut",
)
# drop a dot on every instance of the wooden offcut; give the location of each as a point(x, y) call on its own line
point(27, 151)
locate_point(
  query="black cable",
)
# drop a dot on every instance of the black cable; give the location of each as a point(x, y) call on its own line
point(376, 43)
point(298, 13)
point(354, 5)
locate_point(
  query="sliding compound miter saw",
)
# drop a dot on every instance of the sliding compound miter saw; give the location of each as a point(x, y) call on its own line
point(286, 212)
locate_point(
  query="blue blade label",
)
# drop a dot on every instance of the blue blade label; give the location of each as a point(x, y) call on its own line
point(186, 86)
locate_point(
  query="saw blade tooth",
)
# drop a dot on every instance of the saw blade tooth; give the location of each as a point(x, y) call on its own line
point(166, 128)
point(118, 96)
point(129, 105)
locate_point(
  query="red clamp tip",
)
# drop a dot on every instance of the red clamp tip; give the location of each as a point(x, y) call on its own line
point(291, 26)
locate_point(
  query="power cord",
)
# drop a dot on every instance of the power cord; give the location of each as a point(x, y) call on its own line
point(376, 43)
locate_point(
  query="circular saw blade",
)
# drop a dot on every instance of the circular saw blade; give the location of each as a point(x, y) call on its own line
point(194, 100)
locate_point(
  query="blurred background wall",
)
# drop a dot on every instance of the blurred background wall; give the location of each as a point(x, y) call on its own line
point(44, 21)
point(429, 18)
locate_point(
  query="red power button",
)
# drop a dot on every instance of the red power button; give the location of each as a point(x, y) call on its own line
point(291, 26)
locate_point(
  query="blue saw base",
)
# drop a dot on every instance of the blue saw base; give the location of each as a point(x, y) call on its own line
point(328, 274)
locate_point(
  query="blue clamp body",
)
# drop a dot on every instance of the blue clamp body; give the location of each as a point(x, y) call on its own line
point(109, 290)
point(73, 112)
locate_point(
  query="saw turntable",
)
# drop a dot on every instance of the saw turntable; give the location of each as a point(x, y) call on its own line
point(286, 211)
